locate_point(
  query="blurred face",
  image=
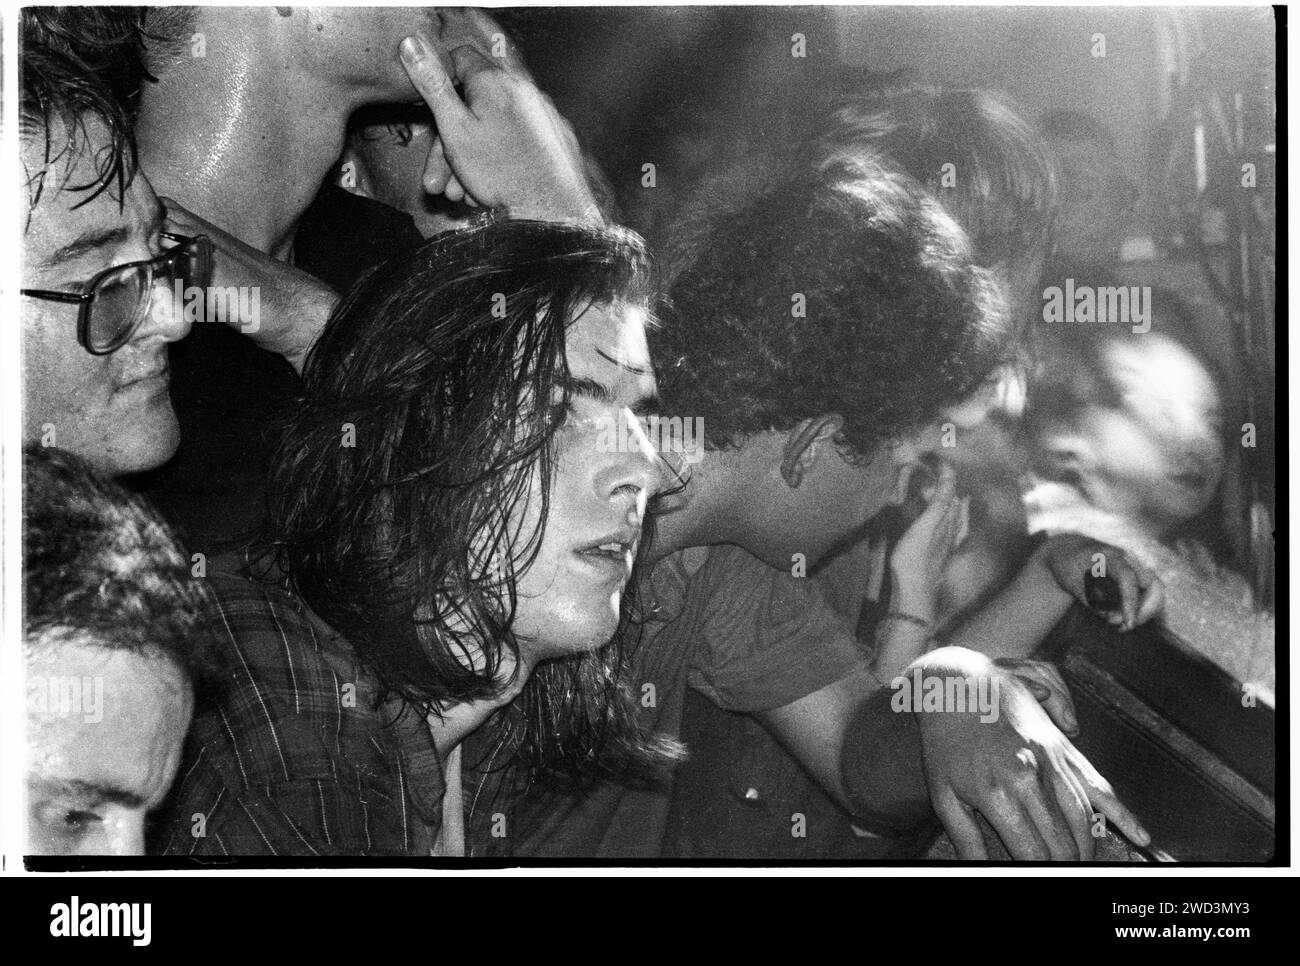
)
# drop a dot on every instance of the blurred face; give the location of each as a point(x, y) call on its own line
point(568, 600)
point(113, 410)
point(1159, 455)
point(104, 735)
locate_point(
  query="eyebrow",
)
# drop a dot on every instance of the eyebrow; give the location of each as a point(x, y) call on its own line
point(636, 370)
point(584, 386)
point(89, 242)
point(93, 794)
point(95, 239)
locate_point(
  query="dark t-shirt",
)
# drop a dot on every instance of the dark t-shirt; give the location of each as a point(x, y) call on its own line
point(229, 395)
point(747, 636)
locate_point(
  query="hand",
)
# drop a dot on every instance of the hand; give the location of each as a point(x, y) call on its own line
point(505, 145)
point(1070, 557)
point(280, 308)
point(1018, 771)
point(917, 563)
point(1046, 684)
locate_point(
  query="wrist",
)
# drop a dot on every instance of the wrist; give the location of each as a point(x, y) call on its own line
point(907, 598)
point(1041, 575)
point(952, 660)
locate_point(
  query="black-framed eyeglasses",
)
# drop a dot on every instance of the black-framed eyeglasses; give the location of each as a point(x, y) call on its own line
point(116, 301)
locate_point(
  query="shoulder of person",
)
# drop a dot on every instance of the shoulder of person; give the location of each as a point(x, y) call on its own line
point(288, 671)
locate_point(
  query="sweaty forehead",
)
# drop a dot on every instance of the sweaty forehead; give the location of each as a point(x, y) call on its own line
point(64, 210)
point(127, 715)
point(609, 341)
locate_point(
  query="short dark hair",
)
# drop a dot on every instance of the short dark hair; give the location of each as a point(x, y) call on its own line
point(102, 568)
point(78, 65)
point(448, 366)
point(897, 320)
point(1004, 191)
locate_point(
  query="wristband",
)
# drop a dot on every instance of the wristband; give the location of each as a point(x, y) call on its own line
point(899, 615)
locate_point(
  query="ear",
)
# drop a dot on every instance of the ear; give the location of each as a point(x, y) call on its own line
point(353, 176)
point(801, 444)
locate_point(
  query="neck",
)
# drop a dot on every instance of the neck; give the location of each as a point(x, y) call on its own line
point(714, 510)
point(460, 721)
point(240, 136)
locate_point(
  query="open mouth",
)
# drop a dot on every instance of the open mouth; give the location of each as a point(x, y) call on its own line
point(615, 552)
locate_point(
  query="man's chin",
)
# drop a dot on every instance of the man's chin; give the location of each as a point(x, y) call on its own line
point(152, 442)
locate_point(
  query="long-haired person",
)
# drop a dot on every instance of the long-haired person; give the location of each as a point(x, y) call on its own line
point(454, 525)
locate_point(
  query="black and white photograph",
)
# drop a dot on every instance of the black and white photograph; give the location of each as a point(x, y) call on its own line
point(646, 437)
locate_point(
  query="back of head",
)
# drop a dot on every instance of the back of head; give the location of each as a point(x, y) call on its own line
point(848, 292)
point(973, 149)
point(102, 568)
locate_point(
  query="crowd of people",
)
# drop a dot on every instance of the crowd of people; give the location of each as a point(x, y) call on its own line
point(402, 546)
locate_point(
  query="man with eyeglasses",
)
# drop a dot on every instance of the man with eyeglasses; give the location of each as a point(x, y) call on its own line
point(98, 271)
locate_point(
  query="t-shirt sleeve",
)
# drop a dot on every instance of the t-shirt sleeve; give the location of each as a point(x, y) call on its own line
point(765, 638)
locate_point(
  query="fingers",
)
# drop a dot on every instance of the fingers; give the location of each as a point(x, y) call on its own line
point(1072, 798)
point(1062, 832)
point(474, 27)
point(1103, 797)
point(959, 822)
point(1130, 592)
point(471, 63)
point(1153, 602)
point(488, 28)
point(184, 222)
point(942, 501)
point(176, 211)
point(947, 485)
point(1019, 833)
point(1153, 594)
point(429, 76)
point(1050, 689)
point(963, 525)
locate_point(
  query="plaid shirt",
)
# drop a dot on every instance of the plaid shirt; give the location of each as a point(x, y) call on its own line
point(293, 757)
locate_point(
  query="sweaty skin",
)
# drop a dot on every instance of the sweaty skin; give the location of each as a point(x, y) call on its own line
point(265, 109)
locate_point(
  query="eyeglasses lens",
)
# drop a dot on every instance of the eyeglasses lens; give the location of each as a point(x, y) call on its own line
point(118, 306)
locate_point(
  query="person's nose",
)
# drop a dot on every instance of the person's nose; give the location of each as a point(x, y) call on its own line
point(634, 474)
point(165, 318)
point(125, 834)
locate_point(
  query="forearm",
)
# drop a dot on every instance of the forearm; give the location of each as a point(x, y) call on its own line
point(882, 768)
point(901, 637)
point(1016, 621)
point(814, 729)
point(882, 758)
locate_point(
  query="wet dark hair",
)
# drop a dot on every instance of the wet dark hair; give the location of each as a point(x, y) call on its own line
point(101, 568)
point(80, 65)
point(898, 321)
point(1004, 189)
point(446, 369)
